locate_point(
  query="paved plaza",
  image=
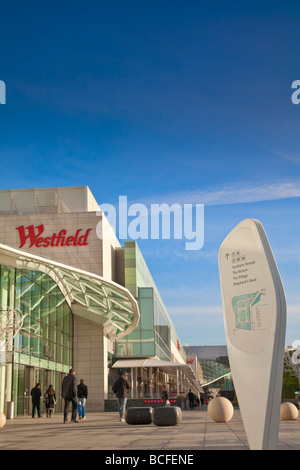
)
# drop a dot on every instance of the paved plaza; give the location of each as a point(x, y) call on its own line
point(104, 431)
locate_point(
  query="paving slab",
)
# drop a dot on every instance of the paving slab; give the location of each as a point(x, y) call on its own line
point(104, 431)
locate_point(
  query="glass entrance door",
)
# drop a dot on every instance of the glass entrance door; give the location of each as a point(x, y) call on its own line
point(19, 389)
point(22, 385)
point(27, 388)
point(25, 378)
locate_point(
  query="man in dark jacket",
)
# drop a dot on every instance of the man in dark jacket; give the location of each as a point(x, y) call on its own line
point(69, 393)
point(191, 398)
point(120, 388)
point(36, 397)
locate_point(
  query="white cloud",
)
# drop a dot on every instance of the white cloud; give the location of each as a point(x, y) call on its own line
point(244, 193)
point(230, 194)
point(292, 158)
point(196, 311)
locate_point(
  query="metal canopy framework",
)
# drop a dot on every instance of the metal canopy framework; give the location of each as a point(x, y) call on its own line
point(90, 296)
point(170, 368)
point(213, 371)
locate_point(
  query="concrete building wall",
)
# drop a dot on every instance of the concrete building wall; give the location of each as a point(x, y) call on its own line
point(109, 246)
point(90, 361)
point(93, 252)
point(176, 353)
point(47, 200)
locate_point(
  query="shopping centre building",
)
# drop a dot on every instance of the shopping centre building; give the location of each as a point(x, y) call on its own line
point(72, 296)
point(214, 364)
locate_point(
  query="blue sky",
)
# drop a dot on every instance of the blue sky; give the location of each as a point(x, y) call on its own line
point(185, 102)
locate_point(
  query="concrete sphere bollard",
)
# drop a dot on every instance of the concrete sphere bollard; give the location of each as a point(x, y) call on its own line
point(220, 409)
point(2, 420)
point(288, 411)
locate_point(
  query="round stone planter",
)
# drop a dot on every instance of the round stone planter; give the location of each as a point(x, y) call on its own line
point(220, 409)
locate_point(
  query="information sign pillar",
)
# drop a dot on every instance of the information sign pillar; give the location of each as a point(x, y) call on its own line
point(254, 311)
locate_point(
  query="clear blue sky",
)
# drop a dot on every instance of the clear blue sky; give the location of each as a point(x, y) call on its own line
point(163, 101)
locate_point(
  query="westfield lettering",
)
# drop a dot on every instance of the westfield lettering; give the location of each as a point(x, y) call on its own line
point(33, 235)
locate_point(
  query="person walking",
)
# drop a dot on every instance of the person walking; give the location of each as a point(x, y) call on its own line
point(82, 393)
point(50, 400)
point(120, 389)
point(165, 395)
point(191, 398)
point(36, 399)
point(69, 393)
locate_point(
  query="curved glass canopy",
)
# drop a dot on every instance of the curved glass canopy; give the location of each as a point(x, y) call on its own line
point(90, 296)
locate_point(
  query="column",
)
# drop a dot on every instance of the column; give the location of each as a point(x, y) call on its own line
point(157, 390)
point(177, 381)
point(151, 385)
point(181, 382)
point(134, 382)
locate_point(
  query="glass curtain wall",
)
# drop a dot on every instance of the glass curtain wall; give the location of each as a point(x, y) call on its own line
point(155, 330)
point(152, 336)
point(49, 318)
point(141, 342)
point(41, 350)
point(154, 333)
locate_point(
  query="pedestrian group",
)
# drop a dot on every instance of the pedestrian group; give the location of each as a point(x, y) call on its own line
point(73, 394)
point(76, 396)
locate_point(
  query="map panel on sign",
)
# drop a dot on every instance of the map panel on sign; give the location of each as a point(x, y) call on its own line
point(245, 317)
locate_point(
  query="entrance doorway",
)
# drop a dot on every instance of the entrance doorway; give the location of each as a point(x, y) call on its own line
point(25, 378)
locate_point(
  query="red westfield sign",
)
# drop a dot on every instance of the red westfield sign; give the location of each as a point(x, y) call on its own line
point(33, 235)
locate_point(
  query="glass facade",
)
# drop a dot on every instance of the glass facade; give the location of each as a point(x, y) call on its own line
point(155, 331)
point(49, 315)
point(154, 335)
point(141, 342)
point(214, 369)
point(39, 349)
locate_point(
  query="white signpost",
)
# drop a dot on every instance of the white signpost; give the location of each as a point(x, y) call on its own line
point(254, 311)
